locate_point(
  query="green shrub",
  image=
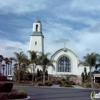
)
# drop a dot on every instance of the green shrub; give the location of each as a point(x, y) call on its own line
point(96, 85)
point(72, 83)
point(88, 85)
point(63, 79)
point(58, 82)
point(66, 82)
point(40, 78)
point(65, 85)
point(40, 83)
point(48, 83)
point(6, 86)
point(15, 94)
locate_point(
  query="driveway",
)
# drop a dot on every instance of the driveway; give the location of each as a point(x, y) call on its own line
point(47, 93)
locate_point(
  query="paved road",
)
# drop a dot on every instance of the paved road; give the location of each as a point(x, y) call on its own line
point(46, 93)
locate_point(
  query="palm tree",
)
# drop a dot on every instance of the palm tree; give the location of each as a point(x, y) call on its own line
point(1, 58)
point(24, 68)
point(10, 60)
point(91, 60)
point(15, 71)
point(33, 62)
point(3, 68)
point(45, 62)
point(19, 58)
point(6, 62)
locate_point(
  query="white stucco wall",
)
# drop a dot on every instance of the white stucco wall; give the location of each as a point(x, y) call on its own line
point(36, 47)
point(73, 58)
point(80, 69)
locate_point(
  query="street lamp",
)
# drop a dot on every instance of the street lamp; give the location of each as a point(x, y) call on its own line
point(3, 68)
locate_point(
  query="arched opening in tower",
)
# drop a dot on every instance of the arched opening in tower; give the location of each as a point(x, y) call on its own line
point(36, 27)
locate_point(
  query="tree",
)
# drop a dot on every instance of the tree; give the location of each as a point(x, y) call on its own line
point(10, 61)
point(38, 73)
point(6, 62)
point(1, 58)
point(24, 70)
point(82, 75)
point(91, 60)
point(19, 58)
point(3, 68)
point(15, 71)
point(33, 62)
point(45, 62)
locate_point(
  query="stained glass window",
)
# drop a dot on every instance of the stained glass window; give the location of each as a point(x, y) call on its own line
point(64, 64)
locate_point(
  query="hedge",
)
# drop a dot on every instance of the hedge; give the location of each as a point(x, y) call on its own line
point(6, 86)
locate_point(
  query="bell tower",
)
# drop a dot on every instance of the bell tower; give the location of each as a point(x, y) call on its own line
point(37, 38)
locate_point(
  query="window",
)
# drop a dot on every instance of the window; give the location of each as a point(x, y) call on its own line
point(64, 64)
point(36, 27)
point(35, 43)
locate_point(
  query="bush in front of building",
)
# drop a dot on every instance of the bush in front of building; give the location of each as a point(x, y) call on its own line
point(66, 85)
point(96, 85)
point(40, 84)
point(39, 75)
point(66, 82)
point(48, 83)
point(88, 85)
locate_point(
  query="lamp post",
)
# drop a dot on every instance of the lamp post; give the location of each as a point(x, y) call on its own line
point(3, 68)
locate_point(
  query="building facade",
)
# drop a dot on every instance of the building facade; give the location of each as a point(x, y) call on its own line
point(66, 61)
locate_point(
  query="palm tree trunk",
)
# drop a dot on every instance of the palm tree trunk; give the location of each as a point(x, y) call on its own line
point(33, 76)
point(91, 78)
point(19, 73)
point(43, 77)
point(3, 71)
point(10, 68)
point(6, 69)
point(24, 76)
point(44, 74)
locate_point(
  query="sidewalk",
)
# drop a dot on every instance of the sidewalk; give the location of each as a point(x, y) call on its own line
point(74, 86)
point(78, 87)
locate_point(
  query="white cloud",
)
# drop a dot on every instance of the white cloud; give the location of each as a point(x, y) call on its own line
point(8, 47)
point(22, 6)
point(80, 40)
point(24, 34)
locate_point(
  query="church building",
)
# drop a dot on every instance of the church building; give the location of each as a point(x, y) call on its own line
point(66, 61)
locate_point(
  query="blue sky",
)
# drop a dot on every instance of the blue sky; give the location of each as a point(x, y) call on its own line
point(74, 22)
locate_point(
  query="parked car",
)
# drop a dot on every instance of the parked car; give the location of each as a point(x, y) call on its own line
point(9, 77)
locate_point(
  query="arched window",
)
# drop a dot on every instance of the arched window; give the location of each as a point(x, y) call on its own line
point(64, 64)
point(36, 27)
